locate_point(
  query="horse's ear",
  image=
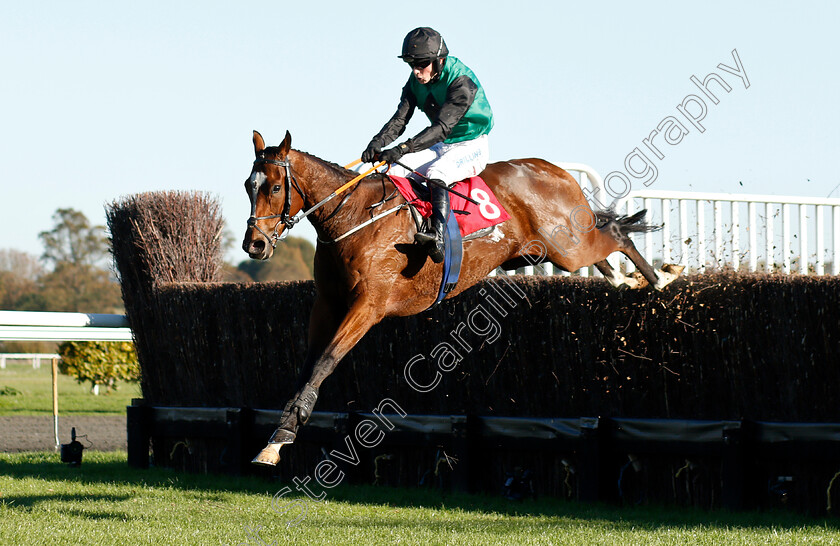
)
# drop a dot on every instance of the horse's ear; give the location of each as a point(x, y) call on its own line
point(287, 145)
point(259, 143)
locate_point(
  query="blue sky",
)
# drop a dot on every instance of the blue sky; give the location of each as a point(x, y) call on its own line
point(105, 99)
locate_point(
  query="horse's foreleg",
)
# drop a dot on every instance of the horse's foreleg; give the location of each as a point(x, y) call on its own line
point(356, 323)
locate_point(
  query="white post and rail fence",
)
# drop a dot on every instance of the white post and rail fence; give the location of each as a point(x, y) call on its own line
point(36, 358)
point(723, 231)
point(39, 326)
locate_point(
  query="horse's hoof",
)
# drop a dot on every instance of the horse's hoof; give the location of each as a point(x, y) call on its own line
point(639, 280)
point(269, 456)
point(674, 269)
point(667, 275)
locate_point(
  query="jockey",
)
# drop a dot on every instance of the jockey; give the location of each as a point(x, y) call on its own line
point(454, 146)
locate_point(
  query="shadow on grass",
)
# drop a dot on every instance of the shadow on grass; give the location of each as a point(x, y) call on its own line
point(111, 467)
point(98, 467)
point(70, 505)
point(648, 517)
point(31, 501)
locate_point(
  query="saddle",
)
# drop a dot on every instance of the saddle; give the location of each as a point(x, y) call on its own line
point(467, 220)
point(474, 221)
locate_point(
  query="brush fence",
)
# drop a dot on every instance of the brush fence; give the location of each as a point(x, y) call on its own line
point(710, 363)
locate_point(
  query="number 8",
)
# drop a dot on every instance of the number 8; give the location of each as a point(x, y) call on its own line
point(486, 208)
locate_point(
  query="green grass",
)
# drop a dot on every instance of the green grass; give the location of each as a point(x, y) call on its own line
point(104, 502)
point(35, 396)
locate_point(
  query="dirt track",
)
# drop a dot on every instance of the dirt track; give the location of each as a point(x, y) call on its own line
point(104, 433)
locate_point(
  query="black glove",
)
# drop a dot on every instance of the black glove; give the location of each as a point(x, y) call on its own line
point(371, 151)
point(393, 154)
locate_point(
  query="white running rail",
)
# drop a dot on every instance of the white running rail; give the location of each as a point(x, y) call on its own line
point(44, 326)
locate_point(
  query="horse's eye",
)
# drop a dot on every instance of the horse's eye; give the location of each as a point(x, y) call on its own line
point(275, 188)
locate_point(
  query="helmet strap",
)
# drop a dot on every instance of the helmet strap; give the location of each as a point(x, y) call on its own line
point(437, 66)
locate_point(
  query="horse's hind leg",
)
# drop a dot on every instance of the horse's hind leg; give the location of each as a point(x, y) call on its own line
point(658, 279)
point(616, 277)
point(619, 229)
point(647, 271)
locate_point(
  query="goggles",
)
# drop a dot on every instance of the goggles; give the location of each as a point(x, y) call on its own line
point(419, 64)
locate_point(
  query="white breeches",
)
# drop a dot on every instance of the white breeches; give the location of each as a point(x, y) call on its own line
point(448, 162)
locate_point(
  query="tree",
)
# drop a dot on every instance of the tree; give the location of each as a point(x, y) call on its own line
point(17, 294)
point(22, 264)
point(286, 265)
point(307, 252)
point(74, 240)
point(103, 363)
point(19, 276)
point(20, 290)
point(80, 288)
point(231, 273)
point(77, 283)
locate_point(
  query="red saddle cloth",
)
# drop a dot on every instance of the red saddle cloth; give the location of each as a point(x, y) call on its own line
point(488, 212)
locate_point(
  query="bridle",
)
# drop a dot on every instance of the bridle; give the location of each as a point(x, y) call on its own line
point(290, 182)
point(284, 217)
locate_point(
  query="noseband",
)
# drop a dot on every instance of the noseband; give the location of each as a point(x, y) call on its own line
point(284, 217)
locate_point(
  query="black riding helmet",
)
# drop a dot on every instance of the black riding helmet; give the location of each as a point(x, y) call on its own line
point(422, 44)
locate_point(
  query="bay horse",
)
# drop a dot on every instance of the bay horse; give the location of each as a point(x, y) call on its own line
point(378, 272)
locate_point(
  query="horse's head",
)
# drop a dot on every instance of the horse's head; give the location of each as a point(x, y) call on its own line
point(275, 197)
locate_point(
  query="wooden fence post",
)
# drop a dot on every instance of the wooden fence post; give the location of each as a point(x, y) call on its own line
point(55, 400)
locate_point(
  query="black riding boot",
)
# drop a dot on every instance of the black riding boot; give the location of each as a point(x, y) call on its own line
point(440, 215)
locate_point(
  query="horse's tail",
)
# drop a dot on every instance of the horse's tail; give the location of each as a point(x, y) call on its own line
point(625, 224)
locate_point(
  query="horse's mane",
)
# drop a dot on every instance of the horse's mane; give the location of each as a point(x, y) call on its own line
point(335, 167)
point(275, 151)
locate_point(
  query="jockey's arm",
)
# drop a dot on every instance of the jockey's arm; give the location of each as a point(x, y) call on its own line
point(459, 98)
point(396, 125)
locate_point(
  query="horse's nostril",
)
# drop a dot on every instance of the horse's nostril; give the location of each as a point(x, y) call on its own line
point(252, 246)
point(256, 246)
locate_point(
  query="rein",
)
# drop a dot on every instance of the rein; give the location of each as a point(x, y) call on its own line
point(367, 223)
point(289, 181)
